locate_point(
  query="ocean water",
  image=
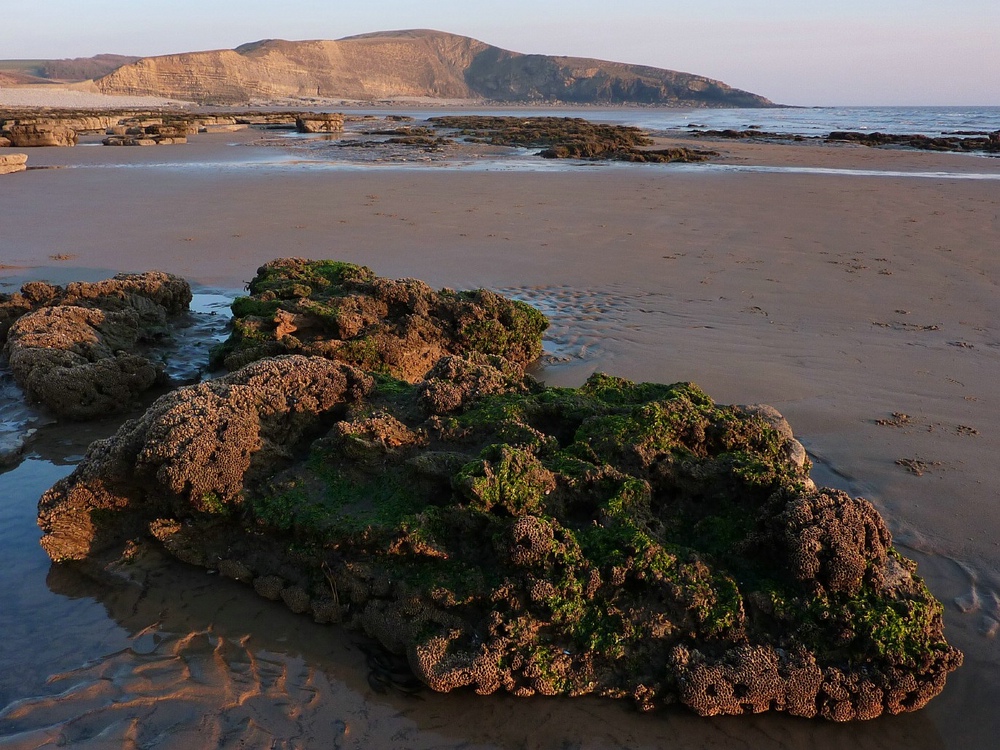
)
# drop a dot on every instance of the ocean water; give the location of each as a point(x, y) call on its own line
point(808, 121)
point(816, 121)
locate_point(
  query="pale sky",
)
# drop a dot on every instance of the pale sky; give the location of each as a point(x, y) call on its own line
point(806, 52)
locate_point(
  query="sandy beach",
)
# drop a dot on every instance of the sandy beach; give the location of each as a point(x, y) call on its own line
point(844, 285)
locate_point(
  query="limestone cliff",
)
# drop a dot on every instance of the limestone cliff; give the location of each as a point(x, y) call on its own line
point(417, 63)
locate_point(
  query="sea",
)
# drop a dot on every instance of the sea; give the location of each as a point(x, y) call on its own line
point(806, 121)
point(818, 121)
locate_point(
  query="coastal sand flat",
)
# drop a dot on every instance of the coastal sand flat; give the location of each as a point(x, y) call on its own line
point(841, 299)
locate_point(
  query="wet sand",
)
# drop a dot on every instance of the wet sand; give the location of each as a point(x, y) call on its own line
point(842, 299)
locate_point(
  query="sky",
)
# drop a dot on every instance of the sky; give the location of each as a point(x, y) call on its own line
point(802, 52)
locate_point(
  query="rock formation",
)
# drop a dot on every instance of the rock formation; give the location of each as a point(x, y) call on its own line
point(988, 142)
point(621, 539)
point(79, 349)
point(961, 142)
point(36, 133)
point(319, 123)
point(410, 64)
point(343, 311)
point(567, 138)
point(10, 163)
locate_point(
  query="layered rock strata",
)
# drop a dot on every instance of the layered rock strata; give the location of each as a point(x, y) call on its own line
point(320, 123)
point(10, 163)
point(39, 133)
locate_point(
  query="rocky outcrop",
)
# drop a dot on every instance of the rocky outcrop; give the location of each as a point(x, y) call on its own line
point(10, 163)
point(79, 349)
point(984, 142)
point(320, 123)
point(417, 63)
point(620, 539)
point(345, 312)
point(39, 133)
point(567, 138)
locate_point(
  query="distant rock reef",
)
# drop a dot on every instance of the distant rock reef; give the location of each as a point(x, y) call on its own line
point(380, 459)
point(979, 142)
point(38, 128)
point(418, 63)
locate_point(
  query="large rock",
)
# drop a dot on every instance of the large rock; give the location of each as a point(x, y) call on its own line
point(80, 350)
point(37, 134)
point(10, 163)
point(195, 445)
point(620, 539)
point(76, 360)
point(402, 327)
point(319, 123)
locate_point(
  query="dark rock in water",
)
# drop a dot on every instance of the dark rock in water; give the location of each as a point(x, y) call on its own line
point(11, 163)
point(566, 138)
point(320, 123)
point(400, 327)
point(988, 144)
point(752, 133)
point(39, 133)
point(77, 349)
point(618, 539)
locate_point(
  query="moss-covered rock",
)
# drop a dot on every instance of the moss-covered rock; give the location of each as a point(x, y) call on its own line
point(620, 539)
point(400, 327)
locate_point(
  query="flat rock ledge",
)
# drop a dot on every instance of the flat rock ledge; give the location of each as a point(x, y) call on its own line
point(81, 350)
point(325, 122)
point(619, 539)
point(10, 163)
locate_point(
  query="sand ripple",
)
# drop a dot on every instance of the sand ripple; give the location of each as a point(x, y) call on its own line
point(182, 691)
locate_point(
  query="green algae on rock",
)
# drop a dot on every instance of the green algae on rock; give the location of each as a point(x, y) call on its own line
point(400, 327)
point(619, 539)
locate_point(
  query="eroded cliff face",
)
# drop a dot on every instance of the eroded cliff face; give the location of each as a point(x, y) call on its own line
point(408, 64)
point(371, 67)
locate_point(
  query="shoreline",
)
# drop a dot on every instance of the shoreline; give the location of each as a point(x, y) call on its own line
point(837, 299)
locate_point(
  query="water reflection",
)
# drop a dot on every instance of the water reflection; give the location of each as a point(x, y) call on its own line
point(207, 657)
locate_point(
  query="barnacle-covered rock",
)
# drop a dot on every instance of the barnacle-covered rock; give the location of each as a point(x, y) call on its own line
point(400, 327)
point(620, 539)
point(193, 452)
point(82, 349)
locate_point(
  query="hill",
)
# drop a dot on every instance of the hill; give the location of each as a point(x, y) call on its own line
point(33, 72)
point(418, 63)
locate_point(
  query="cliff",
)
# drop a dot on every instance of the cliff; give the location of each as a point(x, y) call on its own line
point(417, 63)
